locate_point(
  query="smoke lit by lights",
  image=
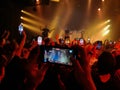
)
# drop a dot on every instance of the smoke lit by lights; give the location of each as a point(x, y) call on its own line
point(32, 15)
point(99, 30)
point(32, 28)
point(106, 32)
point(33, 22)
point(106, 27)
point(55, 22)
point(62, 18)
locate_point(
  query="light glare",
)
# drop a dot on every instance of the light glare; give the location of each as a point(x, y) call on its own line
point(103, 0)
point(99, 9)
point(106, 27)
point(106, 32)
point(21, 17)
point(55, 0)
point(36, 23)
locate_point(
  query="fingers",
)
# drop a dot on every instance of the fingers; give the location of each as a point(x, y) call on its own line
point(62, 86)
point(76, 65)
point(44, 67)
point(41, 74)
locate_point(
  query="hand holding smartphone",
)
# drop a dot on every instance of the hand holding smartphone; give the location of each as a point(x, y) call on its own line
point(57, 55)
point(39, 40)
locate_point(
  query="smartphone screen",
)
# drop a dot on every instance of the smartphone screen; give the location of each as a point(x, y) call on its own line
point(81, 41)
point(20, 28)
point(39, 40)
point(99, 45)
point(110, 42)
point(58, 55)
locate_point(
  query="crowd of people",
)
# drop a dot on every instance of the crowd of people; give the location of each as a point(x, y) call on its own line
point(95, 66)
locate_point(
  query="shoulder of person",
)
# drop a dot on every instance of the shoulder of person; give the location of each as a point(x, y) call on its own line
point(117, 73)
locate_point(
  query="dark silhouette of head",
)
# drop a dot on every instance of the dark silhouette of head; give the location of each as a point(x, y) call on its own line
point(106, 63)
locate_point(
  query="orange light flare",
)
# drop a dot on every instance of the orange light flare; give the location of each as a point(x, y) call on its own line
point(33, 16)
point(99, 9)
point(31, 21)
point(37, 2)
point(55, 0)
point(32, 28)
point(88, 7)
point(96, 30)
point(67, 10)
point(100, 13)
point(68, 13)
point(103, 0)
point(88, 12)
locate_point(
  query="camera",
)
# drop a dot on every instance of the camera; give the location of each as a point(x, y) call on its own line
point(57, 55)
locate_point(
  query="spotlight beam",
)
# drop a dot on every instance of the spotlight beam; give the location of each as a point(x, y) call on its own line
point(33, 22)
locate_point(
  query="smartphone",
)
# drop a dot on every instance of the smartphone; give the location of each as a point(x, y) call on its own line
point(39, 40)
point(110, 42)
point(81, 41)
point(57, 55)
point(20, 28)
point(61, 41)
point(99, 45)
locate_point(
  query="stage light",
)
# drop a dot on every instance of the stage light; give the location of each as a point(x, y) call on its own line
point(22, 11)
point(106, 27)
point(108, 20)
point(106, 32)
point(21, 23)
point(29, 14)
point(33, 16)
point(99, 9)
point(32, 28)
point(21, 17)
point(55, 0)
point(37, 0)
point(33, 22)
point(103, 0)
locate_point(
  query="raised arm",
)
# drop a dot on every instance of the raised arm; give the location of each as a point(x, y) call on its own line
point(82, 76)
point(21, 45)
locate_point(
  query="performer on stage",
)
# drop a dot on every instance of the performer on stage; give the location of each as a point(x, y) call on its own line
point(45, 32)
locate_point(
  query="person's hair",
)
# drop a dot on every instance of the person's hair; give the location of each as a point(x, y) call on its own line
point(106, 63)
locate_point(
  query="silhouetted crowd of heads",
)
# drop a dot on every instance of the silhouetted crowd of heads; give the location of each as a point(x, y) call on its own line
point(58, 65)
